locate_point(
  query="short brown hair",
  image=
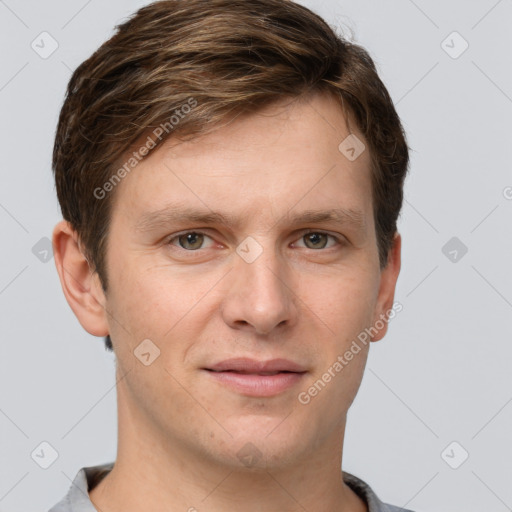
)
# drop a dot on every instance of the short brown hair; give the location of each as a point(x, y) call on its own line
point(230, 57)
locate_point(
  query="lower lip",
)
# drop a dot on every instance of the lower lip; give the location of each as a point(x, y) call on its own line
point(257, 385)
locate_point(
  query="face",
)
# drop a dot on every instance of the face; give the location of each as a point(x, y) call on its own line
point(255, 241)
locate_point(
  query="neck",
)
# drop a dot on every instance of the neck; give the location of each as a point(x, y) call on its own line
point(156, 472)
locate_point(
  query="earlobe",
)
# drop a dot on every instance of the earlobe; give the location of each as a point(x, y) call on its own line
point(80, 285)
point(389, 277)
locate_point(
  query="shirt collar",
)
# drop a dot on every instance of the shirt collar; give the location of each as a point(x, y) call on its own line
point(77, 499)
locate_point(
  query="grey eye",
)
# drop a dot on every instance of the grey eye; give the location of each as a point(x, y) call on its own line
point(317, 240)
point(191, 241)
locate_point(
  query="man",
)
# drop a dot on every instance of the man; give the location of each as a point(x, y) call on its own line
point(230, 174)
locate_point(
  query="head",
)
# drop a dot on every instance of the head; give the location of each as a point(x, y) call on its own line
point(227, 107)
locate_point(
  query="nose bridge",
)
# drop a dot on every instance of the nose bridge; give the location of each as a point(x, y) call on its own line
point(259, 296)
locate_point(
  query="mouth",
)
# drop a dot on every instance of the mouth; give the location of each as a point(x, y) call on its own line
point(255, 382)
point(246, 365)
point(251, 373)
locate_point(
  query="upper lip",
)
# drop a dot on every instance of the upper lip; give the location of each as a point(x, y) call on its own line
point(247, 365)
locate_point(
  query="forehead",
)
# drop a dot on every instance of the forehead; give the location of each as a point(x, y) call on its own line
point(290, 155)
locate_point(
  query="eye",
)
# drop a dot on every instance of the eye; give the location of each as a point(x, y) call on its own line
point(190, 241)
point(318, 240)
point(194, 240)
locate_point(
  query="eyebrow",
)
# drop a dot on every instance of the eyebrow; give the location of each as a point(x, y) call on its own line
point(174, 213)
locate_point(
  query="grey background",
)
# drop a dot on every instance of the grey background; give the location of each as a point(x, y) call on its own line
point(442, 373)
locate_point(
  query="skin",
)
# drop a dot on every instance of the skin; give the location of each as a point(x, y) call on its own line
point(179, 430)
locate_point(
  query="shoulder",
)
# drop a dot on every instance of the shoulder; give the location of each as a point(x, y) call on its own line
point(368, 494)
point(77, 498)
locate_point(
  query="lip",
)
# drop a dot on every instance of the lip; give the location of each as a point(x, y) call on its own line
point(247, 365)
point(244, 375)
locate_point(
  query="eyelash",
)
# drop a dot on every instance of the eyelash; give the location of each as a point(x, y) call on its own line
point(169, 241)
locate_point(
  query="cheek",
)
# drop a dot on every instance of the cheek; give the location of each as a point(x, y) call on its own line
point(163, 306)
point(343, 309)
point(149, 301)
point(346, 305)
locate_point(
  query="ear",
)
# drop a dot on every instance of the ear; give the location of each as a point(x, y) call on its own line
point(389, 276)
point(80, 285)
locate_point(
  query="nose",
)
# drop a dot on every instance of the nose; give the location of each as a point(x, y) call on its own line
point(260, 297)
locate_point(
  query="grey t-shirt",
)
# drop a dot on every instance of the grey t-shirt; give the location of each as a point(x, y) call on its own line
point(77, 498)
